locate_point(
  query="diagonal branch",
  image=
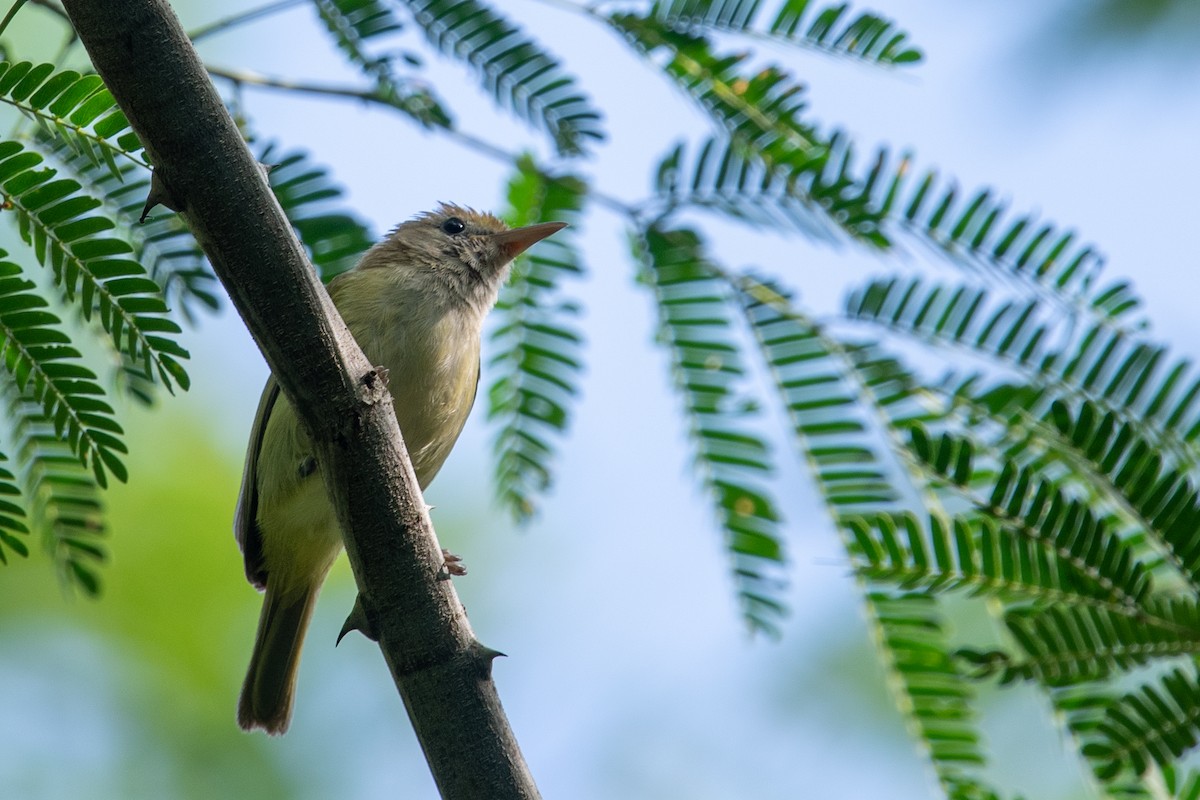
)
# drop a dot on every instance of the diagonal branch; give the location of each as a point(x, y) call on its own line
point(143, 54)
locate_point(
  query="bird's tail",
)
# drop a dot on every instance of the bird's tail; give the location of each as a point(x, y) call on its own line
point(266, 700)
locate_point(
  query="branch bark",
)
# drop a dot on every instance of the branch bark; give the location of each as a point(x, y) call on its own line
point(442, 672)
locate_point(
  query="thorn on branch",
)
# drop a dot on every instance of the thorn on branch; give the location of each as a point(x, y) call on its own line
point(483, 657)
point(358, 620)
point(159, 195)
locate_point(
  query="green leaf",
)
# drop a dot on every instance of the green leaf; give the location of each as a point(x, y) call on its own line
point(721, 176)
point(825, 385)
point(76, 109)
point(970, 553)
point(1063, 645)
point(696, 326)
point(761, 110)
point(356, 26)
point(62, 494)
point(1028, 503)
point(933, 693)
point(538, 357)
point(53, 377)
point(83, 267)
point(1109, 450)
point(1152, 725)
point(866, 36)
point(518, 73)
point(334, 237)
point(1100, 366)
point(12, 528)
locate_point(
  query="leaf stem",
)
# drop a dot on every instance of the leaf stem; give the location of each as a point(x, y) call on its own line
point(222, 25)
point(240, 77)
point(12, 12)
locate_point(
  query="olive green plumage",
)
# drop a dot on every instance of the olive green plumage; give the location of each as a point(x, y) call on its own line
point(415, 304)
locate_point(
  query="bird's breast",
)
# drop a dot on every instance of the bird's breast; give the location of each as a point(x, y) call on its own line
point(431, 352)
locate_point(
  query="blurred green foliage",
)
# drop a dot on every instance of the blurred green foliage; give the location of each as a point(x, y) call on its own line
point(149, 665)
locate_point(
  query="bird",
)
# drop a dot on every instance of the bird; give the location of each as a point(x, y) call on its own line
point(415, 303)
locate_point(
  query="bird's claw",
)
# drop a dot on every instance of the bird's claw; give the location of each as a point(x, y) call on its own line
point(452, 566)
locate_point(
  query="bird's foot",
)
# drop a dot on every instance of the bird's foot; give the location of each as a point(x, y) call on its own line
point(452, 566)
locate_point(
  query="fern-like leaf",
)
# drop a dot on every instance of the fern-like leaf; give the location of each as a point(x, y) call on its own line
point(1097, 362)
point(1016, 330)
point(110, 162)
point(809, 370)
point(356, 26)
point(1030, 505)
point(334, 236)
point(91, 268)
point(11, 516)
point(1155, 724)
point(787, 163)
point(978, 233)
point(515, 69)
point(72, 108)
point(539, 348)
point(1063, 645)
point(54, 216)
point(830, 29)
point(695, 324)
point(762, 111)
point(790, 168)
point(761, 176)
point(825, 384)
point(62, 495)
point(971, 553)
point(1161, 500)
point(48, 372)
point(913, 634)
point(721, 176)
point(162, 242)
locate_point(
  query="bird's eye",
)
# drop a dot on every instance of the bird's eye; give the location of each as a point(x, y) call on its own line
point(453, 225)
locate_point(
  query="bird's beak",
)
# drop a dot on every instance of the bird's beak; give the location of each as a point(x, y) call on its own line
point(518, 240)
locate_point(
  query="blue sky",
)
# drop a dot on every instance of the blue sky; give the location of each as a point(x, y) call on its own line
point(629, 672)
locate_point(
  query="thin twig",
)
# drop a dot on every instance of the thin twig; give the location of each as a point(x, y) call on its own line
point(227, 23)
point(241, 77)
point(12, 12)
point(59, 59)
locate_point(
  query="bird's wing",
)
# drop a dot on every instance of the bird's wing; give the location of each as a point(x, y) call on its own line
point(475, 391)
point(245, 518)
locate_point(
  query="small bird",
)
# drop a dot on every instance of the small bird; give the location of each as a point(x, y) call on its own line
point(415, 304)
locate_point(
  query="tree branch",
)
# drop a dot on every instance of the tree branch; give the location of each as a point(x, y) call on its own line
point(244, 77)
point(443, 674)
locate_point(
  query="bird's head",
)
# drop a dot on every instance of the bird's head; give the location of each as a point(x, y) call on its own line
point(465, 250)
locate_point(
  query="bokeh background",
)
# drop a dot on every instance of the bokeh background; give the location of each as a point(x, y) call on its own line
point(629, 673)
